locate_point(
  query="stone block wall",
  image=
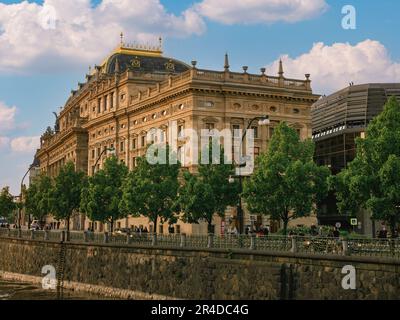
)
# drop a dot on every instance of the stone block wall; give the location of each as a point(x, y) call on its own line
point(205, 274)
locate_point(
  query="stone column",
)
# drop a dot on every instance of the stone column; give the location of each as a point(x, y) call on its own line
point(210, 241)
point(154, 239)
point(183, 240)
point(253, 242)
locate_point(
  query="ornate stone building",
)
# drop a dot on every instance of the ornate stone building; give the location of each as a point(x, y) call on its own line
point(137, 89)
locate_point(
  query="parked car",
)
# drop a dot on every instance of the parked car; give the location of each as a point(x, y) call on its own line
point(3, 222)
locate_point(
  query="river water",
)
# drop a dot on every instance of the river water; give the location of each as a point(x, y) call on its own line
point(13, 290)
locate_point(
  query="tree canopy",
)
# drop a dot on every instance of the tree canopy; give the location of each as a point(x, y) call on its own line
point(150, 190)
point(102, 195)
point(7, 204)
point(37, 197)
point(208, 192)
point(286, 183)
point(66, 193)
point(371, 180)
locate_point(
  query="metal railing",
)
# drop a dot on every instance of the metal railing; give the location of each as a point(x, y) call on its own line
point(305, 244)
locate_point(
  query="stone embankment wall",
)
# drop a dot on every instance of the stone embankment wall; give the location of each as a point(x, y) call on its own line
point(163, 273)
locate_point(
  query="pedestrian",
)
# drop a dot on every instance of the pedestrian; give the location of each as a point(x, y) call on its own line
point(336, 233)
point(383, 233)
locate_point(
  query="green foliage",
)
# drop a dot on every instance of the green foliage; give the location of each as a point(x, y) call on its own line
point(286, 183)
point(209, 192)
point(296, 231)
point(66, 193)
point(101, 197)
point(151, 190)
point(372, 179)
point(7, 204)
point(37, 197)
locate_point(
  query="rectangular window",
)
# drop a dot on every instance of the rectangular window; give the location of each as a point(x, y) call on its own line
point(98, 152)
point(271, 132)
point(181, 129)
point(236, 129)
point(161, 229)
point(93, 153)
point(255, 130)
point(122, 146)
point(105, 103)
point(134, 162)
point(99, 105)
point(143, 141)
point(134, 142)
point(256, 152)
point(112, 101)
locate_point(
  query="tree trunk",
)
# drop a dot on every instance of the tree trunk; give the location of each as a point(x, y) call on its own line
point(112, 225)
point(210, 229)
point(155, 224)
point(68, 222)
point(285, 225)
point(393, 227)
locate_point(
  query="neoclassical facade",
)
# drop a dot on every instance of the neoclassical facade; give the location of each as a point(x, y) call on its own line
point(136, 89)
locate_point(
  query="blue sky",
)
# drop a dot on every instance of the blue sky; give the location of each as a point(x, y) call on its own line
point(37, 69)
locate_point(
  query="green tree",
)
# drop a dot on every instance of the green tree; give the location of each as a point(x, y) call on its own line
point(66, 193)
point(101, 197)
point(37, 197)
point(371, 180)
point(208, 192)
point(286, 183)
point(151, 189)
point(7, 204)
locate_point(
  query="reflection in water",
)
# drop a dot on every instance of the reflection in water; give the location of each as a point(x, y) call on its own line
point(13, 290)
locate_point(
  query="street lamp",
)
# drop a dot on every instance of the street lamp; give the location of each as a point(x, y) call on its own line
point(262, 121)
point(20, 199)
point(101, 154)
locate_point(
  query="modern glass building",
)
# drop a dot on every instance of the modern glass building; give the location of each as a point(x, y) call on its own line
point(337, 120)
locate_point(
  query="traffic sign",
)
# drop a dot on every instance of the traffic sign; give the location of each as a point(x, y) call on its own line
point(338, 225)
point(353, 221)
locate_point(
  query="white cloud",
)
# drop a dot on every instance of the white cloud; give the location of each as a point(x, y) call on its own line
point(260, 11)
point(334, 67)
point(25, 144)
point(7, 117)
point(4, 142)
point(58, 34)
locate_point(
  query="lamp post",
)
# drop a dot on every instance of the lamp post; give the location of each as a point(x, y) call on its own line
point(262, 121)
point(20, 200)
point(98, 159)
